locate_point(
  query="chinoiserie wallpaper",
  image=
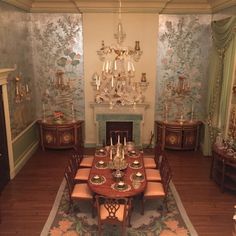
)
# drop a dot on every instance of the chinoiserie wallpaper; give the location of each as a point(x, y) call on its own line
point(15, 49)
point(58, 65)
point(184, 44)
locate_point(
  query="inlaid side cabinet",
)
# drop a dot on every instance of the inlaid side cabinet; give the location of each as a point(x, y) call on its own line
point(178, 136)
point(61, 136)
point(223, 169)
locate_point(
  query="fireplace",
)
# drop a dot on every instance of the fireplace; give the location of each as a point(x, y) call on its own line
point(133, 117)
point(117, 128)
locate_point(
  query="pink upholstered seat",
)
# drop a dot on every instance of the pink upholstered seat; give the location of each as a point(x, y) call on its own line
point(153, 175)
point(154, 189)
point(82, 191)
point(87, 161)
point(82, 174)
point(149, 162)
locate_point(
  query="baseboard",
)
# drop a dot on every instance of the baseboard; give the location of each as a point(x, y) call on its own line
point(25, 158)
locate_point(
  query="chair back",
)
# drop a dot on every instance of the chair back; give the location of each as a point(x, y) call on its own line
point(73, 165)
point(166, 174)
point(69, 180)
point(113, 207)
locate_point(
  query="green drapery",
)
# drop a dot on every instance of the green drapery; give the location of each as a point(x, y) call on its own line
point(220, 78)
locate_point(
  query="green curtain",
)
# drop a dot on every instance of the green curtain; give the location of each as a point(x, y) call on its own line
point(220, 78)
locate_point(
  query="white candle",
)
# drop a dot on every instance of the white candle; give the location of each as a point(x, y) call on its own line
point(118, 139)
point(27, 88)
point(124, 141)
point(111, 154)
point(112, 82)
point(111, 141)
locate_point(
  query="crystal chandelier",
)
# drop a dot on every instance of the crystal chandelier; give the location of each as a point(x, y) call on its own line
point(115, 84)
point(182, 88)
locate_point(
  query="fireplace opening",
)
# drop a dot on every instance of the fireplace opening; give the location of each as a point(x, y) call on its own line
point(114, 129)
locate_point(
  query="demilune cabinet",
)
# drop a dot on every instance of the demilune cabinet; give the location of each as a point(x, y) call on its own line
point(61, 136)
point(223, 169)
point(178, 136)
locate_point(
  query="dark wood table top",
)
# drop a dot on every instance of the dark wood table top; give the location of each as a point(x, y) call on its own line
point(108, 185)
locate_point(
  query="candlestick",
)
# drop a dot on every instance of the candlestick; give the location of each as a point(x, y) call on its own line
point(44, 115)
point(118, 139)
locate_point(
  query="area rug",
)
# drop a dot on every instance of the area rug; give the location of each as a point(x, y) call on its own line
point(174, 222)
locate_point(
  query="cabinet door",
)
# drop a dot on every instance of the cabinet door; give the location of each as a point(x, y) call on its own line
point(173, 138)
point(66, 137)
point(49, 136)
point(190, 138)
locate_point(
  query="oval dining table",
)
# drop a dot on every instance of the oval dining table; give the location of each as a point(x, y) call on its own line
point(107, 186)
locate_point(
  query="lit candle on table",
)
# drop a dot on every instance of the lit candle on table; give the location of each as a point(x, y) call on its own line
point(112, 82)
point(111, 141)
point(111, 154)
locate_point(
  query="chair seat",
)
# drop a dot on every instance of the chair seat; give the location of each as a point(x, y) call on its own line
point(82, 191)
point(82, 174)
point(119, 214)
point(86, 162)
point(153, 175)
point(149, 162)
point(154, 189)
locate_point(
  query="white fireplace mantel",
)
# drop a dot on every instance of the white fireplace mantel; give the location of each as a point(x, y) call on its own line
point(102, 113)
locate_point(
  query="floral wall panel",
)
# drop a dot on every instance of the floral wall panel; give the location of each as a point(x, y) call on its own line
point(58, 64)
point(183, 54)
point(15, 49)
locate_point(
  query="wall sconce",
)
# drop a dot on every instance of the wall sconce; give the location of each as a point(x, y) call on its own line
point(60, 82)
point(22, 91)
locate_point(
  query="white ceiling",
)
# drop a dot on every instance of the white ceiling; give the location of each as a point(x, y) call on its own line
point(152, 6)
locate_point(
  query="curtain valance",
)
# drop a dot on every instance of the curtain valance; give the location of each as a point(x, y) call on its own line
point(223, 32)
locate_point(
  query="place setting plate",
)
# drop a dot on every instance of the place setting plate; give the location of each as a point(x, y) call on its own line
point(101, 152)
point(135, 165)
point(101, 165)
point(98, 179)
point(138, 176)
point(121, 186)
point(133, 153)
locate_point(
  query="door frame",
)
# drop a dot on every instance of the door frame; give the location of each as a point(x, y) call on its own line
point(3, 82)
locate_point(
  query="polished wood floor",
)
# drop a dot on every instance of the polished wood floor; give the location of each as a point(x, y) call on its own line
point(27, 200)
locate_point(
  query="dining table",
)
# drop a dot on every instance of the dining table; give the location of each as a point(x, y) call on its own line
point(128, 180)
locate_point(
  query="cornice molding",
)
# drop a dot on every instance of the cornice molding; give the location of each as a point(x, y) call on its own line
point(218, 5)
point(128, 6)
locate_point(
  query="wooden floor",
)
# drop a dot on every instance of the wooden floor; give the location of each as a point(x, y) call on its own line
point(27, 200)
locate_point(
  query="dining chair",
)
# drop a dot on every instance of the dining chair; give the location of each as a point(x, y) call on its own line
point(85, 161)
point(78, 192)
point(79, 174)
point(158, 190)
point(155, 174)
point(113, 211)
point(151, 162)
